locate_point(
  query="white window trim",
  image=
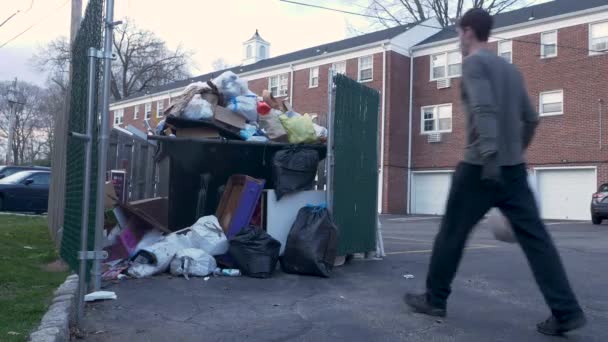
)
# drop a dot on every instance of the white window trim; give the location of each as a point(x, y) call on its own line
point(447, 64)
point(510, 43)
point(121, 116)
point(359, 69)
point(148, 108)
point(278, 77)
point(333, 66)
point(542, 46)
point(159, 114)
point(594, 53)
point(422, 132)
point(540, 103)
point(310, 85)
point(136, 112)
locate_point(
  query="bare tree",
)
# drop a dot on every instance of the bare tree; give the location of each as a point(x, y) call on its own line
point(389, 13)
point(54, 59)
point(220, 64)
point(31, 122)
point(144, 61)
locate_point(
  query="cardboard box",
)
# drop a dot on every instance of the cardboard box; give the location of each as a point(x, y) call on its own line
point(197, 132)
point(153, 212)
point(238, 203)
point(111, 199)
point(227, 117)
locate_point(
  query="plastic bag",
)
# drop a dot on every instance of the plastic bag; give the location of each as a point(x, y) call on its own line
point(321, 132)
point(163, 252)
point(192, 262)
point(501, 228)
point(231, 85)
point(255, 252)
point(300, 130)
point(208, 235)
point(246, 106)
point(294, 170)
point(272, 126)
point(312, 243)
point(198, 109)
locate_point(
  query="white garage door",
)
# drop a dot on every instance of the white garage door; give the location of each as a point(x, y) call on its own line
point(566, 193)
point(430, 192)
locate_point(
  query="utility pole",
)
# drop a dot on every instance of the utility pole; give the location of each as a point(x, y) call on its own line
point(75, 19)
point(14, 102)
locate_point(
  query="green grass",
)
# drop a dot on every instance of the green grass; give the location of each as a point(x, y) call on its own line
point(26, 288)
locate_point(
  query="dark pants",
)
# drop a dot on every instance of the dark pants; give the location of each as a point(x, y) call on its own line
point(468, 202)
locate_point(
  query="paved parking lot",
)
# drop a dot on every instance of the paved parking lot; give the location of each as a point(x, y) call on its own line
point(494, 297)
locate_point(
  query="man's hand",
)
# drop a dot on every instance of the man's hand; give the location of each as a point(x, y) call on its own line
point(490, 173)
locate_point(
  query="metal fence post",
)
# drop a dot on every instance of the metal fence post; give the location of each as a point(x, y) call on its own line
point(103, 139)
point(329, 160)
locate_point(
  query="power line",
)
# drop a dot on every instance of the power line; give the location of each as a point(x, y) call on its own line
point(434, 27)
point(17, 12)
point(34, 24)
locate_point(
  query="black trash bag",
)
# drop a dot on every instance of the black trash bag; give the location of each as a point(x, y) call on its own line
point(255, 252)
point(312, 243)
point(294, 170)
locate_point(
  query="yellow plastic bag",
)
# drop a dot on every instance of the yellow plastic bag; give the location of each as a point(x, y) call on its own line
point(300, 129)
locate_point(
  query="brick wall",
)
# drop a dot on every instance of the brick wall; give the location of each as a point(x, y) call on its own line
point(568, 139)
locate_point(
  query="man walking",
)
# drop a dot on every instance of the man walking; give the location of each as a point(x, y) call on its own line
point(500, 126)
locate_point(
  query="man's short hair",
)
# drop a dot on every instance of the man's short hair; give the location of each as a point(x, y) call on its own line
point(480, 21)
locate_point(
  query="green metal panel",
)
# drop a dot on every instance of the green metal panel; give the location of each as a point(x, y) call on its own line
point(89, 35)
point(355, 179)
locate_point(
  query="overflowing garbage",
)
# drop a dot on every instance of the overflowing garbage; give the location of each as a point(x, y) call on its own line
point(225, 107)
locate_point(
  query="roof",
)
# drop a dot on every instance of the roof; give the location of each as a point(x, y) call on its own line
point(344, 44)
point(523, 15)
point(256, 36)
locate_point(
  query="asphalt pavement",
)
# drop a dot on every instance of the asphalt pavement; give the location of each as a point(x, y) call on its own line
point(494, 296)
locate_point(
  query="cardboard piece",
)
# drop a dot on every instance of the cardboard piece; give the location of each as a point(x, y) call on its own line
point(152, 212)
point(224, 116)
point(111, 198)
point(238, 203)
point(197, 132)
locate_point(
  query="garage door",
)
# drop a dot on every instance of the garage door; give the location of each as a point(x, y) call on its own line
point(565, 193)
point(430, 192)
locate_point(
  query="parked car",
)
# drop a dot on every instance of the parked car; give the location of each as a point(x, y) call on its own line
point(599, 204)
point(9, 170)
point(25, 191)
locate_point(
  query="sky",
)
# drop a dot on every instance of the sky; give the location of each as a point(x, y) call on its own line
point(210, 29)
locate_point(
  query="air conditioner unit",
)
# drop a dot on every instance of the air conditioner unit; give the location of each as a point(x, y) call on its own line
point(434, 138)
point(601, 46)
point(444, 83)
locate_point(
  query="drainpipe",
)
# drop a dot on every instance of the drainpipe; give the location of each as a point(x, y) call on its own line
point(409, 135)
point(599, 105)
point(383, 111)
point(291, 85)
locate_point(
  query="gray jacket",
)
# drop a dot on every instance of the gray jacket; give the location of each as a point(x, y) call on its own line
point(500, 118)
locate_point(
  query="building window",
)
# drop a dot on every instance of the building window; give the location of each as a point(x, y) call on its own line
point(278, 85)
point(505, 50)
point(598, 37)
point(446, 65)
point(160, 108)
point(118, 116)
point(262, 51)
point(249, 51)
point(436, 119)
point(313, 80)
point(366, 68)
point(548, 44)
point(136, 112)
point(339, 67)
point(148, 111)
point(551, 103)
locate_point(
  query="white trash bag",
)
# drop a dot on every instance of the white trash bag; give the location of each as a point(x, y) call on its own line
point(192, 262)
point(230, 85)
point(208, 235)
point(246, 106)
point(163, 251)
point(198, 109)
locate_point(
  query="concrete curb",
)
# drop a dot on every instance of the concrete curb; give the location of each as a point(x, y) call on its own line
point(56, 322)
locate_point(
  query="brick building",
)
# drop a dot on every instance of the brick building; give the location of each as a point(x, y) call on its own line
point(557, 45)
